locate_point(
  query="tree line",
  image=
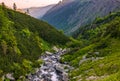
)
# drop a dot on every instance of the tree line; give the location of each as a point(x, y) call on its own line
point(14, 7)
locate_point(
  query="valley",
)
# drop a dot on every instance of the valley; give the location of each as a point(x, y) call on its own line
point(97, 58)
point(70, 41)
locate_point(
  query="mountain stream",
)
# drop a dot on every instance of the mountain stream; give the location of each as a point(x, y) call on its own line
point(51, 69)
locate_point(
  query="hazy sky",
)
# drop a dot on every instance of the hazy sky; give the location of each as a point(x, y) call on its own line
point(29, 3)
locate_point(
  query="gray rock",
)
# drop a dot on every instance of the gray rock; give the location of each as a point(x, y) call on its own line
point(10, 76)
point(51, 70)
point(97, 53)
point(65, 76)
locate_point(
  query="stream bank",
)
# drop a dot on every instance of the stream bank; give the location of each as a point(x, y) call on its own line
point(51, 69)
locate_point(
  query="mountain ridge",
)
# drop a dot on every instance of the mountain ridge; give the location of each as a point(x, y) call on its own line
point(38, 12)
point(69, 19)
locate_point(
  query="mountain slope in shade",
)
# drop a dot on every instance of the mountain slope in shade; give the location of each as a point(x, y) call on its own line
point(38, 12)
point(71, 15)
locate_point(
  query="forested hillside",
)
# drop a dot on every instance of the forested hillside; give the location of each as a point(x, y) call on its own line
point(96, 58)
point(22, 40)
point(94, 48)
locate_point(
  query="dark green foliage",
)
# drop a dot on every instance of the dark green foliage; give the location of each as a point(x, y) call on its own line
point(104, 39)
point(22, 40)
point(98, 26)
point(44, 30)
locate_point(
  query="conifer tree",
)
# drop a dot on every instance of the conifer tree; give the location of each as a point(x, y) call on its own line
point(3, 4)
point(14, 6)
point(27, 11)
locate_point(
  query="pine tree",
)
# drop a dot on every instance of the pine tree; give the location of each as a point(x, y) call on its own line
point(3, 4)
point(14, 6)
point(27, 11)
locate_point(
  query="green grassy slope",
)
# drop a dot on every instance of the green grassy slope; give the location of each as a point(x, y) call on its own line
point(22, 40)
point(101, 53)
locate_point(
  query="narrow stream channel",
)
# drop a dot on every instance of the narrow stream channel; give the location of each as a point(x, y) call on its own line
point(51, 69)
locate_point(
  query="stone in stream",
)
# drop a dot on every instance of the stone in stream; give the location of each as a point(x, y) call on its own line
point(65, 76)
point(51, 69)
point(59, 71)
point(55, 49)
point(48, 53)
point(36, 79)
point(46, 77)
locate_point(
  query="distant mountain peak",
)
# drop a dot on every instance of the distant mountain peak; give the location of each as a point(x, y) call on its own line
point(65, 1)
point(39, 12)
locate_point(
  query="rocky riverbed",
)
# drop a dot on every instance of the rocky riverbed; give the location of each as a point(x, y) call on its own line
point(51, 69)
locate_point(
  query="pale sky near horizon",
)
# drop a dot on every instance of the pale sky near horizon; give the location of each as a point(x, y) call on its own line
point(29, 3)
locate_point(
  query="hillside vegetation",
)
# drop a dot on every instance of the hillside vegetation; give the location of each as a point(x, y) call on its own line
point(22, 40)
point(97, 58)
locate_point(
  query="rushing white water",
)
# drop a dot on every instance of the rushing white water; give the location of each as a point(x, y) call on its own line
point(54, 77)
point(51, 69)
